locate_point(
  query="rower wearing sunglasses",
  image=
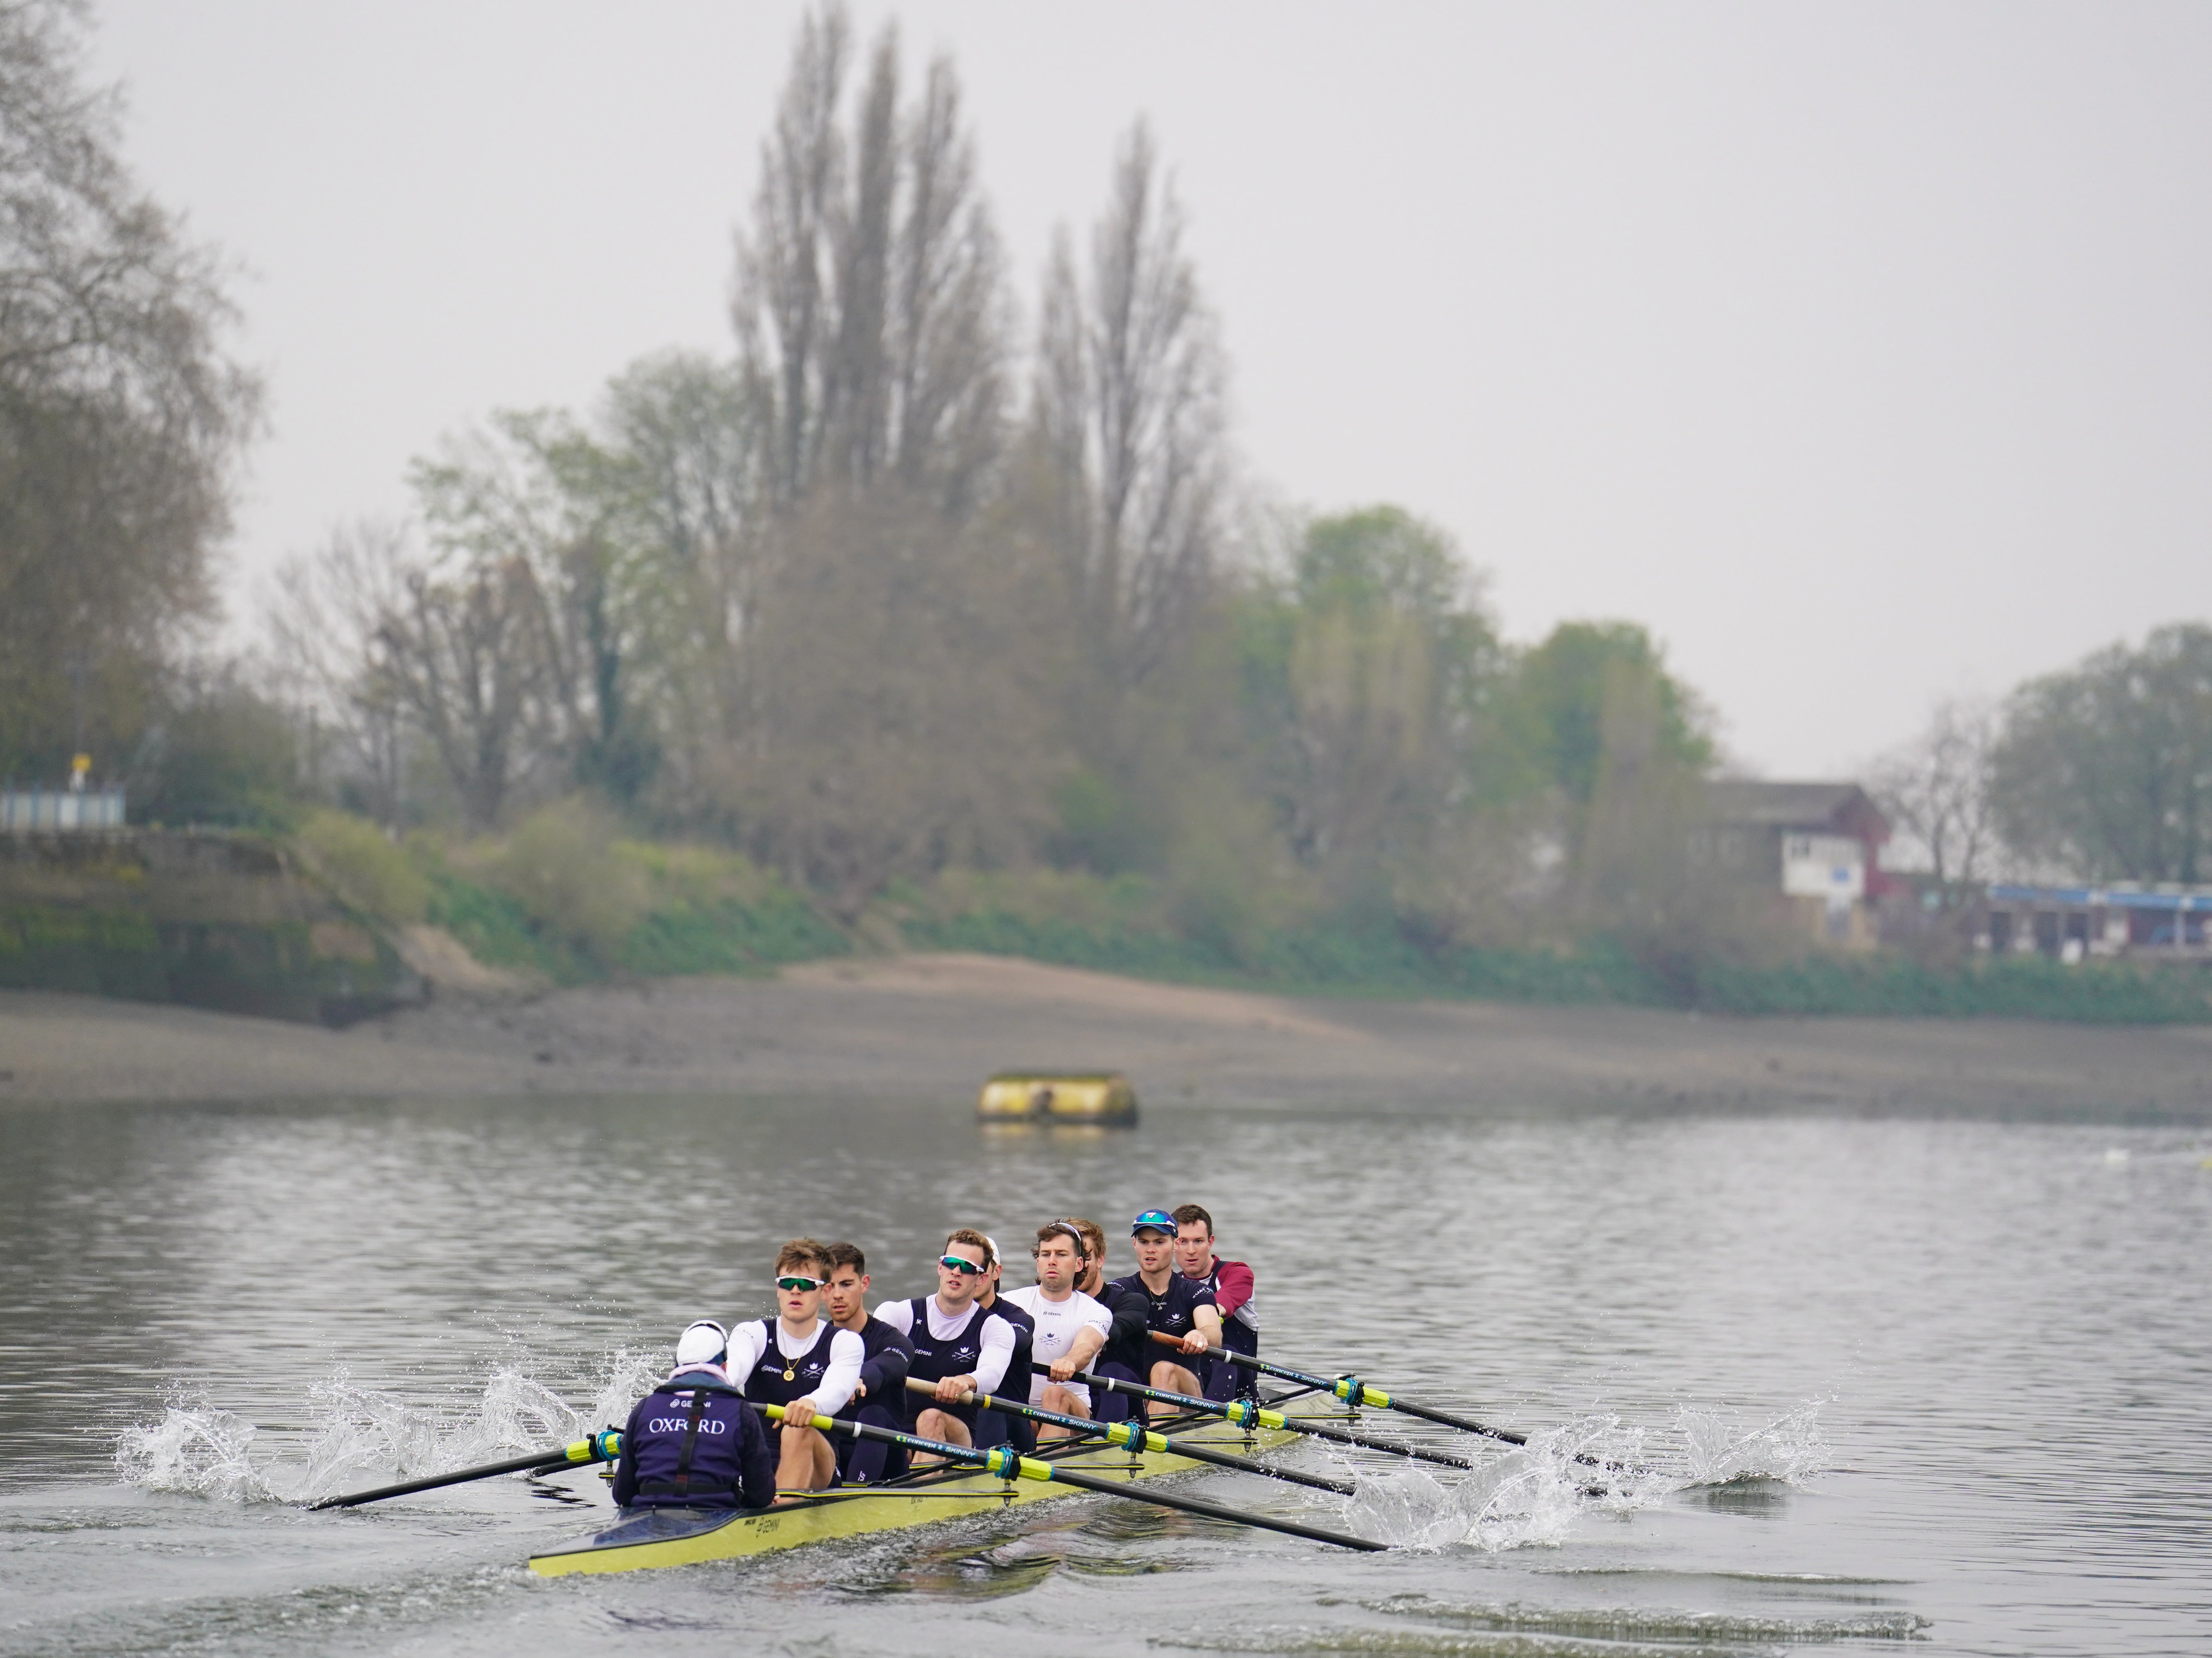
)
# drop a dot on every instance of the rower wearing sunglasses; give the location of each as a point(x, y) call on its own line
point(1182, 1306)
point(958, 1344)
point(800, 1361)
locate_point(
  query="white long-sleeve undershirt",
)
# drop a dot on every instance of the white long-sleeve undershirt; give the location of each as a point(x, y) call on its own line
point(839, 1377)
point(997, 1336)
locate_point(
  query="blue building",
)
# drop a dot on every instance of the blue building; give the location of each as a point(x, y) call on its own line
point(2158, 922)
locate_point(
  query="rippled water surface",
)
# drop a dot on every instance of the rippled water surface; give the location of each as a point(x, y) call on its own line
point(1936, 1383)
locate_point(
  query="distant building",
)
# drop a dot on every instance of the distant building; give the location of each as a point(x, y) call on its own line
point(1819, 844)
point(61, 811)
point(2162, 923)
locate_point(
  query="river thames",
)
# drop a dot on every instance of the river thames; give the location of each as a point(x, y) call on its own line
point(1890, 1379)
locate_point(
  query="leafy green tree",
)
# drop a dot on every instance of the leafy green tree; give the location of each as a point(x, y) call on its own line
point(2107, 769)
point(1559, 698)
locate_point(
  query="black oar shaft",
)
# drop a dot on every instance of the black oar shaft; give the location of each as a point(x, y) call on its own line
point(1354, 1391)
point(600, 1448)
point(1214, 1510)
point(1009, 1464)
point(1139, 1439)
point(1246, 1415)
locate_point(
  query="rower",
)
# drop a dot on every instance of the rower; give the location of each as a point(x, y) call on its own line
point(1178, 1305)
point(958, 1347)
point(1131, 1310)
point(996, 1427)
point(800, 1361)
point(1231, 1284)
point(693, 1442)
point(880, 1398)
point(1070, 1325)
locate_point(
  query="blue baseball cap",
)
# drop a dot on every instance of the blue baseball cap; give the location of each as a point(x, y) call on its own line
point(1158, 1220)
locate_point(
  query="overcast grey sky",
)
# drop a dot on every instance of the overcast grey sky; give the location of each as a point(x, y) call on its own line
point(1863, 353)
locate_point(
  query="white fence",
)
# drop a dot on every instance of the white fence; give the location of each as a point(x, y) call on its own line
point(61, 810)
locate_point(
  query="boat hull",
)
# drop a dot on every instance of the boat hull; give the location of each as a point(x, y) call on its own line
point(648, 1539)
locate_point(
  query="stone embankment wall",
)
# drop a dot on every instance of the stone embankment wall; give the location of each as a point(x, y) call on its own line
point(215, 920)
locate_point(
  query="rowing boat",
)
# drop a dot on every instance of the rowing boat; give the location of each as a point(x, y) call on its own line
point(685, 1537)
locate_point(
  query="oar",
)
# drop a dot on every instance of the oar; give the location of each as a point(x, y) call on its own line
point(1139, 1439)
point(603, 1447)
point(1354, 1390)
point(1246, 1414)
point(1008, 1463)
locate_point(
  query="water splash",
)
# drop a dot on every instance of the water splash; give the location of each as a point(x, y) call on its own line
point(362, 1435)
point(196, 1449)
point(1721, 1450)
point(1533, 1496)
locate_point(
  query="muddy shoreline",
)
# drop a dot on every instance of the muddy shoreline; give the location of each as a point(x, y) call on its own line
point(933, 1026)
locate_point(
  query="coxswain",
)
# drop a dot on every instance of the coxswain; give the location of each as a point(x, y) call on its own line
point(1070, 1326)
point(800, 1361)
point(997, 1427)
point(1231, 1284)
point(1131, 1310)
point(693, 1442)
point(1174, 1304)
point(879, 1397)
point(958, 1347)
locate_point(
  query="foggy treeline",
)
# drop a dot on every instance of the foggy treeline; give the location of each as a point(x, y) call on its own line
point(921, 576)
point(936, 567)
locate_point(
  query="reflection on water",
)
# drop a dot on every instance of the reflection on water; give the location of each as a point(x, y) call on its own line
point(1866, 1381)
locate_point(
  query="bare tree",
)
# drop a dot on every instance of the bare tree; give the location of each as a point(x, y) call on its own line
point(324, 618)
point(1937, 790)
point(121, 418)
point(1128, 406)
point(869, 299)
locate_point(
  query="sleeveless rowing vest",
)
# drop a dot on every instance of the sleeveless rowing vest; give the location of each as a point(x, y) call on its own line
point(936, 1356)
point(777, 1379)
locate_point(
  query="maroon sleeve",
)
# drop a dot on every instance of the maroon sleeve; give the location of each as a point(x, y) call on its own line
point(1233, 1288)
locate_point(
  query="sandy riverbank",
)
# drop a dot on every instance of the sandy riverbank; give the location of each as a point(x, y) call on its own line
point(935, 1025)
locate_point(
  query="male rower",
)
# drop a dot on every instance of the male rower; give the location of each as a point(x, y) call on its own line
point(997, 1427)
point(1132, 1312)
point(692, 1442)
point(1174, 1304)
point(958, 1347)
point(800, 1361)
point(1071, 1327)
point(879, 1397)
point(1231, 1284)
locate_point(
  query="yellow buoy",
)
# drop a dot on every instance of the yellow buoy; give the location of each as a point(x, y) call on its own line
point(1100, 1097)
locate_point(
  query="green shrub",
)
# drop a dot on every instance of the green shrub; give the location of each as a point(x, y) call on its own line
point(560, 866)
point(352, 856)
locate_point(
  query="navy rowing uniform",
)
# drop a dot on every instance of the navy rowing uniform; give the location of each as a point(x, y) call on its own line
point(1131, 1308)
point(936, 1356)
point(693, 1442)
point(769, 1383)
point(882, 1373)
point(997, 1427)
point(1172, 1311)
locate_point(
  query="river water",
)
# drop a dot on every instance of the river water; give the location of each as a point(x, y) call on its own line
point(1935, 1382)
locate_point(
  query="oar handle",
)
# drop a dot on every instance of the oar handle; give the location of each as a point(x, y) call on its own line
point(1139, 1438)
point(604, 1446)
point(1245, 1414)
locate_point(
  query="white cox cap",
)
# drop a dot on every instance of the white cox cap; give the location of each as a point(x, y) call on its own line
point(703, 1343)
